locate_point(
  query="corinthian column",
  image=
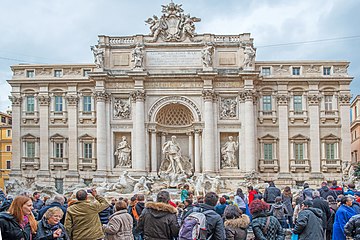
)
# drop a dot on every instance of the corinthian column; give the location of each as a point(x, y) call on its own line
point(282, 101)
point(139, 163)
point(100, 97)
point(314, 118)
point(209, 146)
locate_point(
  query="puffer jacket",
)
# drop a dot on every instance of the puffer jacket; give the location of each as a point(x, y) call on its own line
point(45, 231)
point(158, 221)
point(274, 230)
point(352, 227)
point(236, 229)
point(11, 230)
point(120, 226)
point(82, 220)
point(309, 224)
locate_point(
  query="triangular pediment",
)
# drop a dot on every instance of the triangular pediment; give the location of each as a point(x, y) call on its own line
point(86, 136)
point(29, 136)
point(268, 137)
point(330, 137)
point(57, 136)
point(299, 137)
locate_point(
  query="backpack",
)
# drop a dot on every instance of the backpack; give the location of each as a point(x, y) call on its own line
point(134, 213)
point(194, 226)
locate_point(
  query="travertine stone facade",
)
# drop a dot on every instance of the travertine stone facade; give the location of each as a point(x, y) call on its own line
point(290, 118)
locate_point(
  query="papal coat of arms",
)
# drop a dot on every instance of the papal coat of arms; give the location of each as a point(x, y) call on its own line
point(173, 25)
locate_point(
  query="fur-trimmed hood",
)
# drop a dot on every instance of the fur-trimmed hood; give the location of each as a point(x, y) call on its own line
point(159, 209)
point(241, 222)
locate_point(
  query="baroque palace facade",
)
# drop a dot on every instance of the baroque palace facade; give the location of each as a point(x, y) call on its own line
point(231, 114)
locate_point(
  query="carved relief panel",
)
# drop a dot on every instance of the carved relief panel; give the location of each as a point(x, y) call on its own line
point(121, 108)
point(228, 108)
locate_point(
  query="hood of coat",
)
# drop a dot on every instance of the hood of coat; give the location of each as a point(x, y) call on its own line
point(241, 222)
point(325, 188)
point(7, 216)
point(316, 211)
point(278, 205)
point(159, 209)
point(118, 213)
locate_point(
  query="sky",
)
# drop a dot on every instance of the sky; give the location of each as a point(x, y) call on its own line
point(62, 31)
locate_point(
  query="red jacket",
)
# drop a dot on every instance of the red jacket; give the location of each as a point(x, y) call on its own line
point(252, 195)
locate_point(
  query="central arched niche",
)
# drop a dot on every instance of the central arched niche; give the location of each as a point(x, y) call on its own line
point(174, 114)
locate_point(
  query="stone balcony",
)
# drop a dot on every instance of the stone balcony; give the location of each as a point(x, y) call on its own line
point(302, 165)
point(87, 163)
point(331, 164)
point(56, 163)
point(269, 165)
point(30, 163)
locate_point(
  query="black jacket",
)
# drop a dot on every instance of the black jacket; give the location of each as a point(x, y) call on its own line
point(215, 225)
point(352, 227)
point(271, 193)
point(324, 207)
point(308, 224)
point(274, 230)
point(11, 230)
point(44, 232)
point(158, 221)
point(325, 192)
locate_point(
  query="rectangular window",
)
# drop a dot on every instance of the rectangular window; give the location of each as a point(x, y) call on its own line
point(8, 148)
point(299, 151)
point(57, 73)
point(265, 71)
point(58, 103)
point(3, 119)
point(330, 151)
point(30, 104)
point(59, 150)
point(328, 102)
point(86, 72)
point(268, 149)
point(30, 73)
point(267, 108)
point(87, 103)
point(8, 164)
point(295, 71)
point(87, 150)
point(8, 133)
point(298, 104)
point(327, 71)
point(30, 149)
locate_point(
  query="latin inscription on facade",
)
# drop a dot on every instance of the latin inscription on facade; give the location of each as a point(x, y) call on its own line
point(173, 84)
point(227, 58)
point(174, 59)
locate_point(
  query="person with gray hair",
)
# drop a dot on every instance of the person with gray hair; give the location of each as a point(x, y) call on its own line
point(323, 205)
point(50, 227)
point(57, 201)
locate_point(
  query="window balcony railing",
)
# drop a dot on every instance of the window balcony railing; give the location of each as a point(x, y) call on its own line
point(331, 165)
point(299, 165)
point(269, 165)
point(59, 163)
point(30, 163)
point(87, 163)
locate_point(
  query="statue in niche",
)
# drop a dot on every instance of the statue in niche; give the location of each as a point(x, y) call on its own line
point(228, 153)
point(249, 55)
point(228, 108)
point(123, 153)
point(138, 57)
point(121, 109)
point(98, 55)
point(172, 152)
point(207, 53)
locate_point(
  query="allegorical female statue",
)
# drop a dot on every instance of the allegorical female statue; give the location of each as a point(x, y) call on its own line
point(123, 153)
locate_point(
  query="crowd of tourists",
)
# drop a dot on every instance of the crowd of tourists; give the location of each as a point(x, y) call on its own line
point(329, 212)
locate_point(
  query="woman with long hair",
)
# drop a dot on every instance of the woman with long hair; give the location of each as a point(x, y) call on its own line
point(287, 199)
point(19, 222)
point(235, 223)
point(240, 200)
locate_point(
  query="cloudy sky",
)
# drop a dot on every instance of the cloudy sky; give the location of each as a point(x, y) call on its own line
point(61, 31)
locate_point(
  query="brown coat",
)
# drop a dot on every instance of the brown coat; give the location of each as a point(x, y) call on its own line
point(119, 227)
point(236, 229)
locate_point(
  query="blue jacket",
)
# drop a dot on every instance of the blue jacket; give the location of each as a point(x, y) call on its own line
point(342, 216)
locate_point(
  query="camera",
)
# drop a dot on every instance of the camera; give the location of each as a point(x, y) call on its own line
point(89, 191)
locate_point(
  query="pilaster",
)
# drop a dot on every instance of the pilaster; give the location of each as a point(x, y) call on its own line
point(282, 102)
point(16, 134)
point(314, 100)
point(44, 101)
point(72, 101)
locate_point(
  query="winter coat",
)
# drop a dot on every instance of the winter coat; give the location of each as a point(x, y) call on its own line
point(309, 224)
point(287, 201)
point(325, 192)
point(53, 204)
point(38, 204)
point(236, 229)
point(241, 203)
point(324, 207)
point(82, 220)
point(338, 190)
point(271, 193)
point(307, 193)
point(342, 216)
point(252, 194)
point(158, 221)
point(220, 208)
point(279, 211)
point(274, 230)
point(45, 231)
point(215, 225)
point(352, 227)
point(119, 227)
point(105, 214)
point(11, 229)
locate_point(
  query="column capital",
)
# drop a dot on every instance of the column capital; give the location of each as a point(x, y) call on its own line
point(152, 130)
point(314, 99)
point(247, 95)
point(72, 99)
point(138, 95)
point(282, 99)
point(189, 133)
point(198, 131)
point(15, 100)
point(101, 95)
point(344, 99)
point(209, 95)
point(43, 100)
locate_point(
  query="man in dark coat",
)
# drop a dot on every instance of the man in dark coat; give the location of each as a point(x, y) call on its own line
point(58, 201)
point(271, 193)
point(309, 222)
point(323, 205)
point(338, 190)
point(158, 220)
point(325, 191)
point(307, 192)
point(352, 227)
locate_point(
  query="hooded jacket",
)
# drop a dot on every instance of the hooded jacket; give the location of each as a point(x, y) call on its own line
point(82, 220)
point(11, 229)
point(158, 221)
point(279, 210)
point(324, 207)
point(309, 224)
point(236, 229)
point(120, 226)
point(325, 191)
point(352, 227)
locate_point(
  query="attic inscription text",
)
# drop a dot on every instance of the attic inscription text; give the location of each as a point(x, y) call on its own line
point(174, 59)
